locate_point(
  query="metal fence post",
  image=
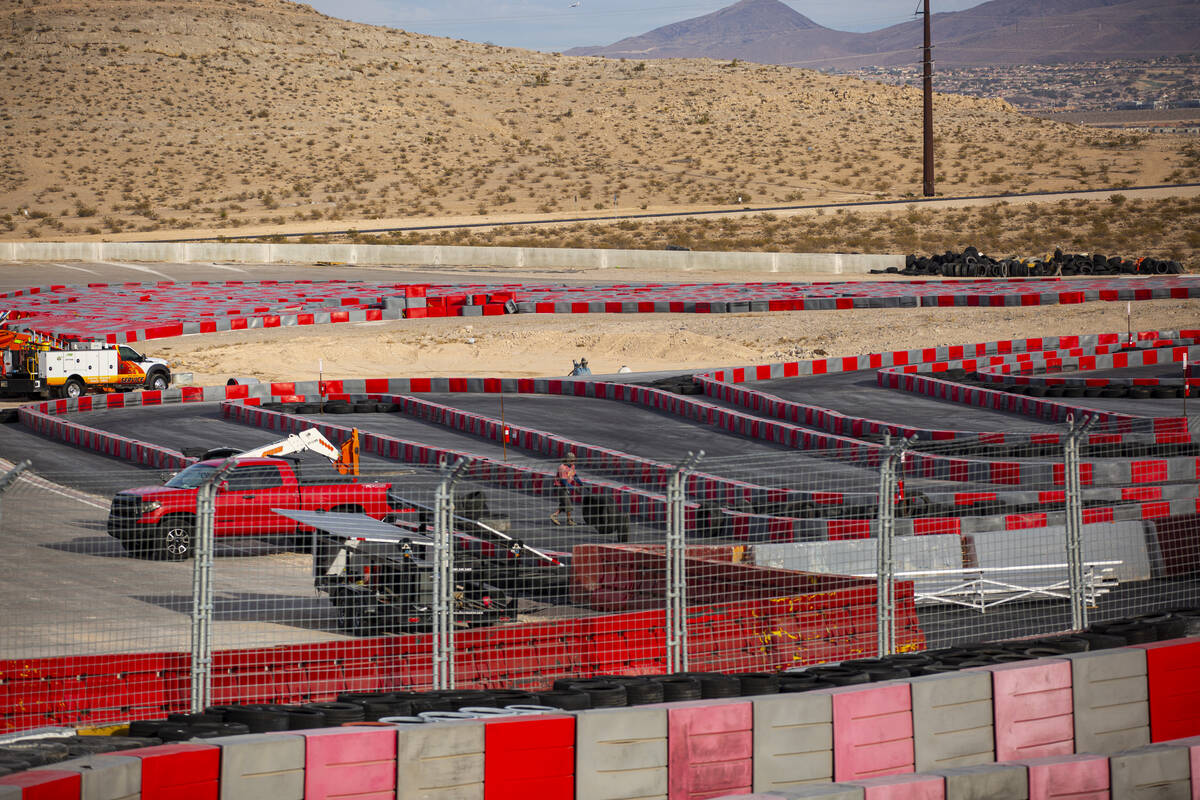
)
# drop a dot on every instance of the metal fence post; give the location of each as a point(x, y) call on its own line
point(443, 577)
point(676, 614)
point(202, 588)
point(1076, 432)
point(891, 481)
point(11, 476)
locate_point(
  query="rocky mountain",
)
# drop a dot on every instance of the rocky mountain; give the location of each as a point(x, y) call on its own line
point(996, 32)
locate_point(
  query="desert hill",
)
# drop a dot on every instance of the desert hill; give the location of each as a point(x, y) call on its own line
point(122, 116)
point(996, 32)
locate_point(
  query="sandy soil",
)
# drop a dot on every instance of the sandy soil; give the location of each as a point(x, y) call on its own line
point(545, 345)
point(132, 116)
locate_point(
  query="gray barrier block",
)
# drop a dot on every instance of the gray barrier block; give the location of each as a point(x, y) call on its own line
point(793, 740)
point(258, 766)
point(1161, 772)
point(987, 782)
point(1111, 698)
point(952, 720)
point(830, 791)
point(440, 760)
point(10, 793)
point(621, 754)
point(1106, 541)
point(108, 777)
point(471, 311)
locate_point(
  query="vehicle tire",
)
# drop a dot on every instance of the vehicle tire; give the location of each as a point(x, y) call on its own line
point(338, 407)
point(841, 676)
point(802, 683)
point(338, 713)
point(364, 408)
point(718, 684)
point(157, 380)
point(640, 690)
point(258, 718)
point(145, 727)
point(175, 538)
point(307, 408)
point(72, 389)
point(603, 514)
point(603, 693)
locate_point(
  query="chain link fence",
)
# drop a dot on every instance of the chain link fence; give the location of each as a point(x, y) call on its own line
point(279, 580)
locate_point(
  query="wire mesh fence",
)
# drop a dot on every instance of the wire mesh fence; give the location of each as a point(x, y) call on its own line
point(565, 562)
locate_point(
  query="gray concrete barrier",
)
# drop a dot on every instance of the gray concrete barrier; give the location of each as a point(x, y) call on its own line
point(1111, 698)
point(440, 760)
point(108, 778)
point(621, 753)
point(1161, 772)
point(429, 255)
point(986, 782)
point(793, 741)
point(254, 767)
point(952, 720)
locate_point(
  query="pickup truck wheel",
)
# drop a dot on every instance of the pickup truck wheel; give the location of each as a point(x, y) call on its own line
point(175, 538)
point(157, 381)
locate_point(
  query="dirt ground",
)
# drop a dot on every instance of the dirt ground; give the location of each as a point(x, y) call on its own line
point(526, 345)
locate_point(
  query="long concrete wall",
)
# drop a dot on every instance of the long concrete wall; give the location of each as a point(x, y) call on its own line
point(422, 255)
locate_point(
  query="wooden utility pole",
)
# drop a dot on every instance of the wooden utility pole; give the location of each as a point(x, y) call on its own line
point(927, 65)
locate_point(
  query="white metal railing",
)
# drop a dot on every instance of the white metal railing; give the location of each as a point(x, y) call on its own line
point(982, 588)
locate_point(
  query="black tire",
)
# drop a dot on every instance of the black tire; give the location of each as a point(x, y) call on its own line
point(1065, 644)
point(303, 719)
point(258, 718)
point(145, 727)
point(338, 713)
point(44, 752)
point(840, 676)
point(1101, 641)
point(338, 407)
point(157, 380)
point(566, 699)
point(756, 683)
point(1166, 626)
point(74, 388)
point(364, 408)
point(1139, 392)
point(802, 683)
point(384, 408)
point(602, 693)
point(603, 514)
point(718, 684)
point(679, 687)
point(175, 537)
point(307, 408)
point(639, 689)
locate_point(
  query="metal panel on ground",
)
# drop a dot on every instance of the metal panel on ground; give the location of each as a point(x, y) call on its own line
point(109, 778)
point(1106, 541)
point(793, 740)
point(987, 782)
point(710, 748)
point(1111, 700)
point(1077, 777)
point(872, 731)
point(1173, 676)
point(621, 753)
point(1031, 701)
point(443, 760)
point(952, 720)
point(1161, 772)
point(529, 757)
point(858, 556)
point(258, 766)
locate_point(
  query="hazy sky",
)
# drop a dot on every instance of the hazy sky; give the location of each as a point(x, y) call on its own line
point(553, 25)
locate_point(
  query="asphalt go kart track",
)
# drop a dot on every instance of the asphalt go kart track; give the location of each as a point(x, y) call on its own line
point(791, 449)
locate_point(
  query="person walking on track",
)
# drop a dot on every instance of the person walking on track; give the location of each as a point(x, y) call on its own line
point(564, 481)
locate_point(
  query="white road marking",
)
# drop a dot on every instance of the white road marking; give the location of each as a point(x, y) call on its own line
point(78, 269)
point(229, 267)
point(139, 268)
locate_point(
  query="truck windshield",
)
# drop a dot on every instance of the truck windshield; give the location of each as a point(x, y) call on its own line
point(192, 477)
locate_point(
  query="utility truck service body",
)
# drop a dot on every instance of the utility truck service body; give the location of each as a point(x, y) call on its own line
point(33, 365)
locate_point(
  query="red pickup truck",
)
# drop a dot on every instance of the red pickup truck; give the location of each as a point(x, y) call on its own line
point(160, 521)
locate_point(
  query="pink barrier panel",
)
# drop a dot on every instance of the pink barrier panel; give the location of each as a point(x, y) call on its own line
point(710, 745)
point(42, 785)
point(349, 762)
point(903, 787)
point(1078, 777)
point(872, 731)
point(1034, 711)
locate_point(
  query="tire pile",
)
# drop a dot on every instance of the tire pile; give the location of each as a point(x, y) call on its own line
point(571, 694)
point(970, 263)
point(1135, 392)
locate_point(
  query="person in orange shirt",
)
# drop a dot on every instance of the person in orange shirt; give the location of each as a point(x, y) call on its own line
point(564, 480)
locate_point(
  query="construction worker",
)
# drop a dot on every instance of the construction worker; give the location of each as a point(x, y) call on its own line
point(564, 480)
